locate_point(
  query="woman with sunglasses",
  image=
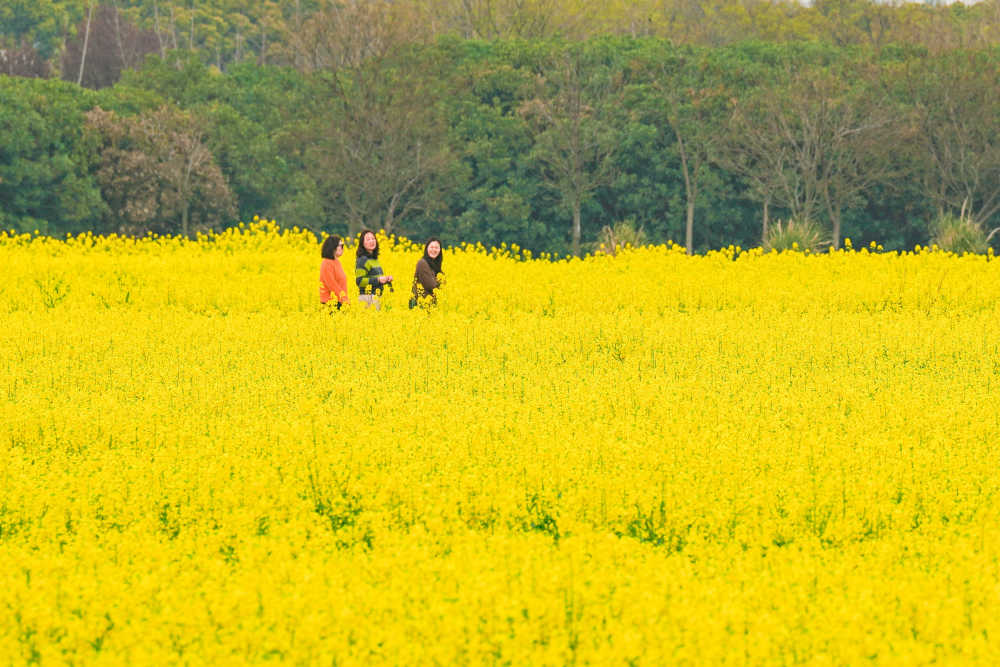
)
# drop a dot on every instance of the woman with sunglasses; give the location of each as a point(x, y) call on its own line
point(332, 279)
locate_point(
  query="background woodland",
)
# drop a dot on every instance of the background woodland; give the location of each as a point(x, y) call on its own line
point(538, 123)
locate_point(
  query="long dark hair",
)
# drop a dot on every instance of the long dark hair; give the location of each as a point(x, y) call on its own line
point(362, 251)
point(329, 250)
point(434, 263)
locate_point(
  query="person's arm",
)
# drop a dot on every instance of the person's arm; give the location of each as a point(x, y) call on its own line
point(340, 282)
point(369, 277)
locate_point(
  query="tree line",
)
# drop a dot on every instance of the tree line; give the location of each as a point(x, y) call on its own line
point(93, 40)
point(540, 141)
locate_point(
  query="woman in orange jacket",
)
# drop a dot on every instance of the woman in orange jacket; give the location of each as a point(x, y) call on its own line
point(332, 279)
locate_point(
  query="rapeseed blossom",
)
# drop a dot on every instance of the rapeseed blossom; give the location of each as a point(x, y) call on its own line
point(648, 458)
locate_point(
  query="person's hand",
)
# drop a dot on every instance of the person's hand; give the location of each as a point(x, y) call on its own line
point(385, 279)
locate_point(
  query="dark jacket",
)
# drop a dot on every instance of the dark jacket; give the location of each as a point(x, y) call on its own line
point(424, 281)
point(366, 273)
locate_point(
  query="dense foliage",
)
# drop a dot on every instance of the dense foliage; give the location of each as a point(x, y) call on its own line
point(534, 131)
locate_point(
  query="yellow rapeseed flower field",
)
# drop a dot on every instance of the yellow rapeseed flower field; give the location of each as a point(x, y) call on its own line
point(650, 458)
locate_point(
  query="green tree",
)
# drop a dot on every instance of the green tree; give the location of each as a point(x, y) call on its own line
point(255, 128)
point(255, 121)
point(689, 99)
point(379, 143)
point(346, 35)
point(572, 115)
point(819, 139)
point(957, 98)
point(511, 19)
point(157, 174)
point(497, 202)
point(45, 157)
point(41, 23)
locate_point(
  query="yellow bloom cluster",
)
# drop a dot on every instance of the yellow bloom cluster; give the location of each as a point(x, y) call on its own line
point(646, 458)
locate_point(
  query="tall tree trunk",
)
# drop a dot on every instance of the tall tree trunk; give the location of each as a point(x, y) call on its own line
point(191, 33)
point(156, 26)
point(173, 27)
point(576, 227)
point(86, 42)
point(835, 215)
point(390, 219)
point(118, 38)
point(298, 31)
point(689, 227)
point(185, 191)
point(689, 193)
point(767, 220)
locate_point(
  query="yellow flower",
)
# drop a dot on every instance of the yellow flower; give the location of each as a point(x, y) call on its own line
point(658, 459)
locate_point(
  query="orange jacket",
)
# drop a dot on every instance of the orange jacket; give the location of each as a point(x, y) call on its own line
point(332, 280)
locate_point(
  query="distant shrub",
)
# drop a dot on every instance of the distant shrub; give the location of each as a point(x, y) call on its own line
point(804, 235)
point(622, 235)
point(960, 234)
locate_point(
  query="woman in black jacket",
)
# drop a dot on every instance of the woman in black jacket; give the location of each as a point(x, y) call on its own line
point(428, 275)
